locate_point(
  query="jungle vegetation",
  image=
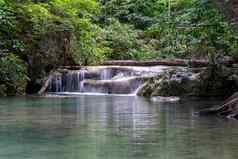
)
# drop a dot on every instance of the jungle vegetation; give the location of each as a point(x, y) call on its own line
point(38, 35)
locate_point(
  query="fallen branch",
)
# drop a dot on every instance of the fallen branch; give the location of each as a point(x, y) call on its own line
point(228, 110)
point(45, 86)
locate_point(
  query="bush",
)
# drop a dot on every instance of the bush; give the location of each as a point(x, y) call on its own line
point(50, 33)
point(120, 38)
point(8, 29)
point(13, 75)
point(87, 45)
point(196, 29)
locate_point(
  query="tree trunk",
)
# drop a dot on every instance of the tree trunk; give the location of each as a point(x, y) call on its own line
point(166, 62)
point(45, 86)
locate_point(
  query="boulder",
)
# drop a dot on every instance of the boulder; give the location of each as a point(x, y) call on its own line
point(209, 82)
point(3, 90)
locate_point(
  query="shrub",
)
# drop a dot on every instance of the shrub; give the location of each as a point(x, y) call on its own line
point(13, 75)
point(196, 29)
point(120, 38)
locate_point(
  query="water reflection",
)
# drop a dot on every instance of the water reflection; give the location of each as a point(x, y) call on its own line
point(103, 127)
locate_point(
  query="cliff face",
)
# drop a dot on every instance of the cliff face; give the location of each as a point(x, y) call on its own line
point(230, 8)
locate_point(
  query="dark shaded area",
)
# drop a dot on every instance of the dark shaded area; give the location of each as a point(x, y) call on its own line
point(230, 8)
point(229, 109)
point(51, 52)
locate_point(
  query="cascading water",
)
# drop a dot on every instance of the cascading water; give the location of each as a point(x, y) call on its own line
point(67, 82)
point(102, 79)
point(105, 74)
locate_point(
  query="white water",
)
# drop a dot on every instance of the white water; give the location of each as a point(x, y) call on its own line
point(101, 80)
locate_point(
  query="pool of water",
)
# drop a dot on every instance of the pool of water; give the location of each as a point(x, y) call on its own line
point(112, 127)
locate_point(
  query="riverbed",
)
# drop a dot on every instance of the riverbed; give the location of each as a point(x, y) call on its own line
point(112, 127)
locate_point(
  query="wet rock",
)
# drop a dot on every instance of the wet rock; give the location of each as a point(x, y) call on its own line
point(147, 81)
point(186, 82)
point(172, 83)
point(122, 86)
point(3, 90)
point(100, 79)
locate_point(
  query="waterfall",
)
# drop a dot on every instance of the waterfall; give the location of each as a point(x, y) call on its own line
point(102, 79)
point(105, 74)
point(81, 86)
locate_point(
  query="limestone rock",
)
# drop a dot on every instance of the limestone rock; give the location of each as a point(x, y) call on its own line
point(186, 82)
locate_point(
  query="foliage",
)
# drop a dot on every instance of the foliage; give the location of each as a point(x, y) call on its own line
point(13, 74)
point(137, 12)
point(8, 27)
point(71, 8)
point(43, 32)
point(127, 29)
point(120, 38)
point(87, 48)
point(179, 28)
point(198, 29)
point(7, 17)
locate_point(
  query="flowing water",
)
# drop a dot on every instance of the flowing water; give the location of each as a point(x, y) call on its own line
point(102, 79)
point(112, 127)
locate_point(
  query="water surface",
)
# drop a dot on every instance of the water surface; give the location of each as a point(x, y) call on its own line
point(112, 127)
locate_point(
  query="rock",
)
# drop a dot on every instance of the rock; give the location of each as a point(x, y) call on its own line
point(175, 82)
point(3, 90)
point(99, 79)
point(186, 82)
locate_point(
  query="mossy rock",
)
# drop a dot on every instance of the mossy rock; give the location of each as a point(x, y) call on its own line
point(3, 90)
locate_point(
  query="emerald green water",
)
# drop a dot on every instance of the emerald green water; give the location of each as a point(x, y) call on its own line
point(110, 127)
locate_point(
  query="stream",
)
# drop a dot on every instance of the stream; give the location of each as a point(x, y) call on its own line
point(102, 79)
point(94, 113)
point(112, 127)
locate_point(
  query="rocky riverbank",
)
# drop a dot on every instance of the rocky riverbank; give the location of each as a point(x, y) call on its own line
point(209, 82)
point(166, 81)
point(159, 83)
point(206, 82)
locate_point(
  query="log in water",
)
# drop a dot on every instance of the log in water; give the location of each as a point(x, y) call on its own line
point(167, 62)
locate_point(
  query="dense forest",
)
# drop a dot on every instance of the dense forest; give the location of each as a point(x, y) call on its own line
point(39, 35)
